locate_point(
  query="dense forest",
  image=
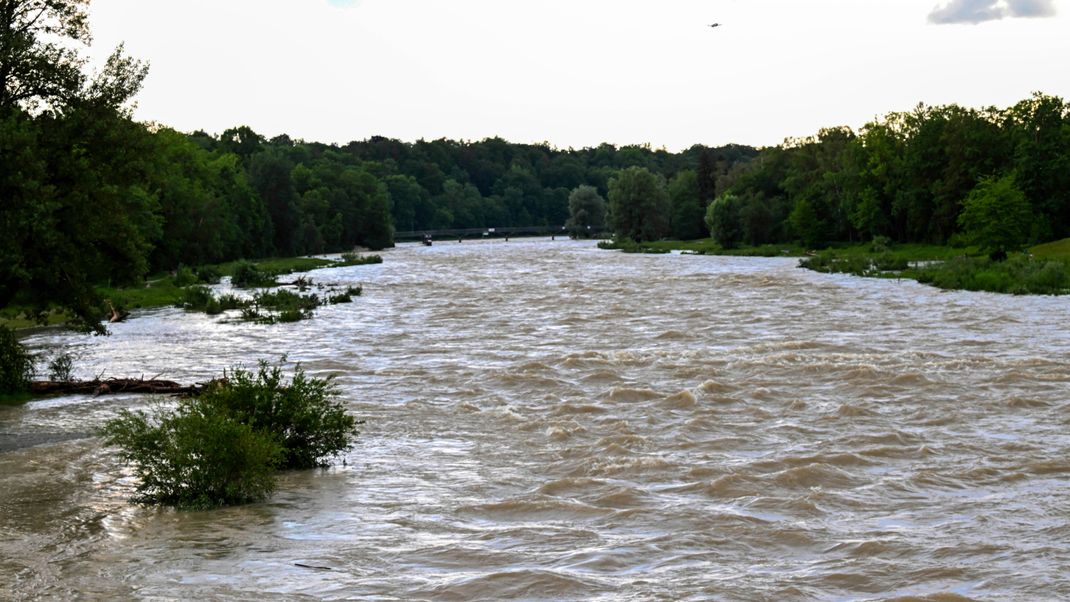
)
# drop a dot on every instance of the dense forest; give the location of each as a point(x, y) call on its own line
point(90, 196)
point(908, 177)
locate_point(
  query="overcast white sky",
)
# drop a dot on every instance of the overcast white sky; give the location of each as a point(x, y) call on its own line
point(577, 73)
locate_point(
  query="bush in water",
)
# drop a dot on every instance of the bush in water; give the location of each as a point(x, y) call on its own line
point(248, 275)
point(61, 368)
point(224, 446)
point(16, 364)
point(304, 414)
point(195, 456)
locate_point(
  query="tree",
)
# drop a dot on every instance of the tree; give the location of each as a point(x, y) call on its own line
point(409, 203)
point(723, 217)
point(996, 216)
point(688, 210)
point(706, 176)
point(269, 174)
point(639, 205)
point(38, 64)
point(587, 212)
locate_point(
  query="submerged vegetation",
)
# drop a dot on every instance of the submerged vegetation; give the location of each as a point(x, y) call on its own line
point(224, 446)
point(268, 307)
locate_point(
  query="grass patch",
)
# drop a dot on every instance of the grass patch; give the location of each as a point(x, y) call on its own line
point(1059, 249)
point(155, 293)
point(1018, 275)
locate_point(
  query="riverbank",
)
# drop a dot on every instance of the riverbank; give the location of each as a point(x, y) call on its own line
point(1043, 269)
point(167, 289)
point(702, 246)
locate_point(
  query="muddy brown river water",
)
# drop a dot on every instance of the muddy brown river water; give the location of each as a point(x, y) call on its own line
point(550, 421)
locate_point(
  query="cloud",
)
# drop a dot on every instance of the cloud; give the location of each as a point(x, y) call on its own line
point(979, 11)
point(1032, 8)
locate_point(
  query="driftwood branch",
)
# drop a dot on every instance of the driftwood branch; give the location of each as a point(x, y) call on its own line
point(115, 385)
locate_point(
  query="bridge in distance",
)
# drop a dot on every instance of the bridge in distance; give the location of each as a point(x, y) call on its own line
point(481, 232)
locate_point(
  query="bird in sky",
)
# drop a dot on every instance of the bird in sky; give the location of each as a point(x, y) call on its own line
point(715, 25)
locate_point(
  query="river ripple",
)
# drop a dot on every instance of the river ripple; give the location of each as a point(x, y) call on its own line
point(547, 420)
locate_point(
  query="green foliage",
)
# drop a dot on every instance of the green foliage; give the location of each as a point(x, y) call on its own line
point(61, 367)
point(628, 245)
point(304, 414)
point(587, 212)
point(832, 262)
point(224, 446)
point(184, 276)
point(996, 215)
point(688, 210)
point(880, 244)
point(1059, 249)
point(16, 364)
point(248, 275)
point(346, 296)
point(349, 259)
point(200, 298)
point(639, 206)
point(724, 220)
point(208, 274)
point(196, 456)
point(1018, 275)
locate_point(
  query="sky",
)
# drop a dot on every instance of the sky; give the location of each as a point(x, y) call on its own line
point(576, 73)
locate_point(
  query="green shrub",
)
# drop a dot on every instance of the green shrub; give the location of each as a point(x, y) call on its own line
point(61, 368)
point(16, 364)
point(284, 301)
point(627, 245)
point(184, 277)
point(224, 446)
point(196, 298)
point(304, 413)
point(880, 244)
point(248, 275)
point(349, 259)
point(346, 296)
point(196, 456)
point(207, 274)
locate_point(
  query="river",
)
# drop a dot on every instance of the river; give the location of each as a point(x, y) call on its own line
point(546, 420)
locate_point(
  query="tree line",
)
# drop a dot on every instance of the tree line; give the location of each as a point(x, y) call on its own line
point(938, 175)
point(90, 196)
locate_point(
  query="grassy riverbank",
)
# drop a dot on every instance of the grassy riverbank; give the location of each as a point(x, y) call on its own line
point(1043, 269)
point(164, 290)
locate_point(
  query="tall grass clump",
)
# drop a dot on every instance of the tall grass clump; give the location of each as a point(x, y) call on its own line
point(224, 446)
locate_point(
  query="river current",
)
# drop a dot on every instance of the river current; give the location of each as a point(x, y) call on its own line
point(546, 420)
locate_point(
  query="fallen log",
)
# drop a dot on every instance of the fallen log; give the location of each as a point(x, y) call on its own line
point(115, 385)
